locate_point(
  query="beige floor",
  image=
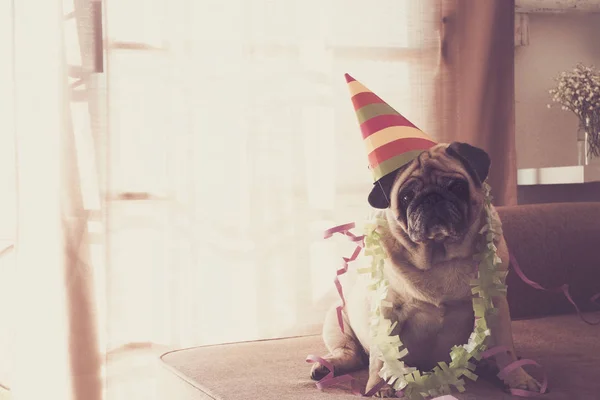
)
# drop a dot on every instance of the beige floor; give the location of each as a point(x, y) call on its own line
point(131, 374)
point(4, 394)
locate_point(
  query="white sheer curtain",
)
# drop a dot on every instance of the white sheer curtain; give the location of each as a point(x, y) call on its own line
point(207, 158)
point(7, 189)
point(232, 123)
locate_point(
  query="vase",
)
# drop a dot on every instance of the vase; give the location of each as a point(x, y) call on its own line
point(587, 141)
point(582, 146)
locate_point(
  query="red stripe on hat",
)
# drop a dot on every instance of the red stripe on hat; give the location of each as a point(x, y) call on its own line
point(397, 147)
point(364, 99)
point(380, 122)
point(349, 78)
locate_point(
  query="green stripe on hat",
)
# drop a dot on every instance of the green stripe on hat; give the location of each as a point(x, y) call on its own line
point(394, 163)
point(373, 110)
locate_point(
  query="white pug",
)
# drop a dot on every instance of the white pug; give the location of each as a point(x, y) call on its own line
point(435, 209)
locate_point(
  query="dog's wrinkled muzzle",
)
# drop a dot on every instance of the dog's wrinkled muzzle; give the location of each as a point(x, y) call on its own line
point(434, 217)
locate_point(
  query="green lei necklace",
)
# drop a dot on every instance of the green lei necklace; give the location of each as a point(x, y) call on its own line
point(414, 384)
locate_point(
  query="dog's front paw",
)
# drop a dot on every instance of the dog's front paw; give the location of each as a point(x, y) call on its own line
point(519, 379)
point(318, 371)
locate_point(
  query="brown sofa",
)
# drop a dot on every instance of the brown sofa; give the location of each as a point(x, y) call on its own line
point(553, 243)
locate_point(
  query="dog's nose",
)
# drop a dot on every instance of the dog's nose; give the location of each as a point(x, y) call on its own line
point(433, 222)
point(432, 199)
point(437, 205)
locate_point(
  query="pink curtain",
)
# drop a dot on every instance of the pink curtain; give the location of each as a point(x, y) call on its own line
point(475, 88)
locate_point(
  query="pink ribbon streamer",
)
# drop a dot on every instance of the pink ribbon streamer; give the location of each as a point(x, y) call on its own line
point(338, 229)
point(345, 230)
point(493, 351)
point(562, 289)
point(514, 365)
point(329, 379)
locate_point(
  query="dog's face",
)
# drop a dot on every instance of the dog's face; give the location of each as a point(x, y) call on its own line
point(437, 197)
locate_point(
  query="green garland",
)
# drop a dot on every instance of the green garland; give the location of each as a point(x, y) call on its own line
point(489, 283)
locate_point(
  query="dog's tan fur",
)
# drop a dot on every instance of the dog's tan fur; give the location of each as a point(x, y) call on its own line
point(429, 289)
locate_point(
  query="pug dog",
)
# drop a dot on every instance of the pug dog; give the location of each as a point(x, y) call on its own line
point(434, 207)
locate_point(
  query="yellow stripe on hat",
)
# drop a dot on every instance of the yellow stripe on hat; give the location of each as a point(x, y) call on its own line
point(356, 87)
point(392, 133)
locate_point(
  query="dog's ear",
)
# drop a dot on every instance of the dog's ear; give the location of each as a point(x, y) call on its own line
point(475, 160)
point(381, 192)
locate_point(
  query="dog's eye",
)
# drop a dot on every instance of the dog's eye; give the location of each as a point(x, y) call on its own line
point(406, 197)
point(459, 187)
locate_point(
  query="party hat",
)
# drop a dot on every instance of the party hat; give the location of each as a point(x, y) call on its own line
point(391, 140)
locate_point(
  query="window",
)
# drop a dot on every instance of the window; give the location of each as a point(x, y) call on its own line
point(232, 143)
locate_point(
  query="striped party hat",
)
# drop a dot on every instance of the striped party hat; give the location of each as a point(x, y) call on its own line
point(391, 140)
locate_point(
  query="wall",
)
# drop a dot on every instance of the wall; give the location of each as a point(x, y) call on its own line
point(547, 137)
point(571, 193)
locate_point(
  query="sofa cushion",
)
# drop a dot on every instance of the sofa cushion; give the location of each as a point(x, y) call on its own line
point(554, 244)
point(567, 348)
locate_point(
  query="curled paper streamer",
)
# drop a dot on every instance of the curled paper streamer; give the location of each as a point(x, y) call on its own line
point(329, 379)
point(514, 365)
point(345, 230)
point(338, 229)
point(562, 289)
